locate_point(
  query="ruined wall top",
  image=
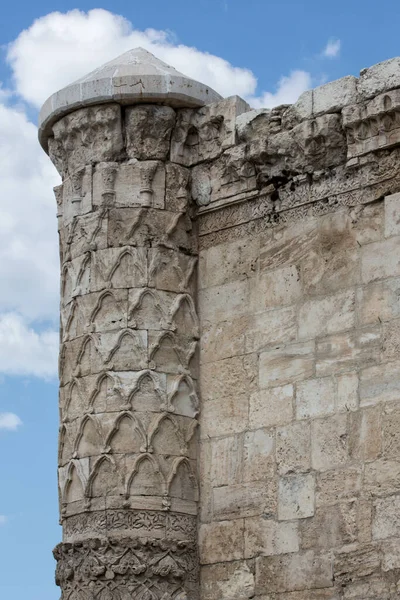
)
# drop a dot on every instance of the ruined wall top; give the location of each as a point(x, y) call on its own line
point(134, 77)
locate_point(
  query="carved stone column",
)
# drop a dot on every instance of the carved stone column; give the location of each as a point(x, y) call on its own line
point(129, 333)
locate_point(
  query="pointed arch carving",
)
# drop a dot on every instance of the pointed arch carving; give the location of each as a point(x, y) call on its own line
point(179, 303)
point(182, 481)
point(139, 258)
point(137, 428)
point(156, 485)
point(159, 392)
point(167, 446)
point(93, 449)
point(115, 386)
point(138, 358)
point(73, 485)
point(190, 409)
point(111, 482)
point(98, 307)
point(160, 322)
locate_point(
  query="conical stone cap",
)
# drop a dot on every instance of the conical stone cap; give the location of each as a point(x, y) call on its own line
point(135, 77)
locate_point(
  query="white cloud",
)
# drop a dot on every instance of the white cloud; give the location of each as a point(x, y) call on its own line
point(288, 90)
point(59, 48)
point(3, 519)
point(28, 229)
point(332, 48)
point(24, 351)
point(9, 422)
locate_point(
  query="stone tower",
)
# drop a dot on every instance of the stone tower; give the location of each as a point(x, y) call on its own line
point(250, 258)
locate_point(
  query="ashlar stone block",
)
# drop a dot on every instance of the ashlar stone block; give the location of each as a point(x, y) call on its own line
point(221, 541)
point(296, 497)
point(271, 407)
point(293, 448)
point(315, 397)
point(265, 537)
point(329, 442)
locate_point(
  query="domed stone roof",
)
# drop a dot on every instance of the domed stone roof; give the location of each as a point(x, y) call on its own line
point(136, 76)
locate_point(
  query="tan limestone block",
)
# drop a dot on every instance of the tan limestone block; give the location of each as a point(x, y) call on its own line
point(391, 431)
point(347, 391)
point(332, 262)
point(271, 407)
point(296, 497)
point(390, 340)
point(177, 187)
point(327, 315)
point(293, 448)
point(386, 522)
point(270, 327)
point(221, 542)
point(392, 215)
point(275, 289)
point(380, 383)
point(96, 312)
point(205, 488)
point(222, 301)
point(145, 226)
point(228, 262)
point(382, 477)
point(288, 246)
point(345, 351)
point(380, 260)
point(244, 500)
point(329, 442)
point(338, 485)
point(148, 131)
point(75, 278)
point(264, 537)
point(291, 572)
point(232, 377)
point(227, 580)
point(379, 301)
point(77, 194)
point(391, 555)
point(130, 184)
point(334, 95)
point(315, 397)
point(171, 270)
point(331, 527)
point(226, 461)
point(249, 333)
point(258, 455)
point(124, 267)
point(365, 434)
point(86, 136)
point(204, 133)
point(224, 416)
point(231, 175)
point(85, 233)
point(287, 364)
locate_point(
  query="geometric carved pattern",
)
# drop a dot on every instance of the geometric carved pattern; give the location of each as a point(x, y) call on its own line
point(128, 362)
point(121, 569)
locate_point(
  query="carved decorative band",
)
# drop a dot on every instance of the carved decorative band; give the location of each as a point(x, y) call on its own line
point(145, 524)
point(123, 569)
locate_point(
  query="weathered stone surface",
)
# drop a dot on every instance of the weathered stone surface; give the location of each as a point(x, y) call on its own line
point(271, 407)
point(222, 541)
point(296, 497)
point(268, 538)
point(315, 398)
point(291, 360)
point(277, 574)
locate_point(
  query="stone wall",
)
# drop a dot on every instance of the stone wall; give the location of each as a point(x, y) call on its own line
point(288, 342)
point(299, 302)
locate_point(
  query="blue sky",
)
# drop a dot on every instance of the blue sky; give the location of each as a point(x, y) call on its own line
point(271, 51)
